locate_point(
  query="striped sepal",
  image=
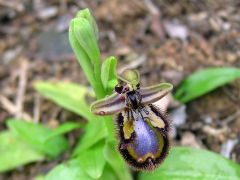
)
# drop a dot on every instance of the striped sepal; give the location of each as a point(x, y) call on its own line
point(109, 105)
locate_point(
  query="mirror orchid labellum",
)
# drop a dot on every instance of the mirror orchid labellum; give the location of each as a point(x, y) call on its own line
point(142, 127)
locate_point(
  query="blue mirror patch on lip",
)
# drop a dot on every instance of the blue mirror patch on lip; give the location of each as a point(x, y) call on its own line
point(146, 140)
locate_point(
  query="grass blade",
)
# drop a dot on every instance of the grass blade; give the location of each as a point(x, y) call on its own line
point(205, 81)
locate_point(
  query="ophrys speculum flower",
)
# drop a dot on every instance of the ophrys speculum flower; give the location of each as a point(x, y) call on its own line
point(142, 127)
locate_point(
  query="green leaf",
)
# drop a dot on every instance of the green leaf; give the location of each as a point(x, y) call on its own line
point(68, 171)
point(108, 74)
point(67, 95)
point(85, 35)
point(205, 81)
point(92, 161)
point(88, 165)
point(116, 161)
point(14, 152)
point(85, 13)
point(188, 163)
point(82, 56)
point(108, 173)
point(95, 131)
point(83, 39)
point(35, 135)
point(63, 128)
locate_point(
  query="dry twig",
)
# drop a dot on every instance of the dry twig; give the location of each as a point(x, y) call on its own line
point(36, 109)
point(21, 89)
point(11, 108)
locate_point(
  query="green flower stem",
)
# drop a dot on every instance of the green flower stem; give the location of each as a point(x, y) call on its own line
point(100, 93)
point(110, 127)
point(83, 36)
point(99, 89)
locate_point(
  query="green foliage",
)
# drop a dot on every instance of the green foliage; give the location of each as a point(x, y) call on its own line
point(92, 161)
point(108, 173)
point(88, 165)
point(83, 39)
point(86, 14)
point(116, 162)
point(92, 164)
point(108, 74)
point(39, 177)
point(70, 170)
point(67, 95)
point(14, 152)
point(37, 136)
point(188, 163)
point(95, 131)
point(27, 142)
point(82, 57)
point(205, 81)
point(85, 36)
point(64, 128)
